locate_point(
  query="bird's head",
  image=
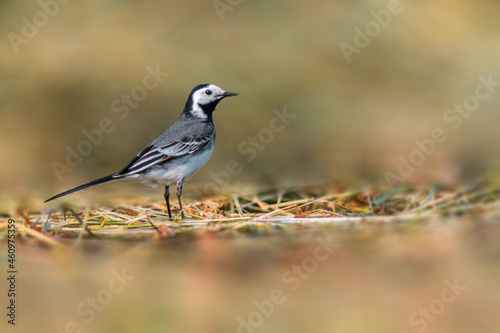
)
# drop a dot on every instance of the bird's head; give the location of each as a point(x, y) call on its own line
point(204, 98)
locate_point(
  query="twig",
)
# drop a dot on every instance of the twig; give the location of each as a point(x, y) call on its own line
point(155, 227)
point(84, 225)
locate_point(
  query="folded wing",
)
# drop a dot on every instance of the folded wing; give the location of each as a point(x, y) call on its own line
point(153, 155)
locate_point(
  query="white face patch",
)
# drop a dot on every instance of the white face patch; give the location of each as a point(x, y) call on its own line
point(205, 96)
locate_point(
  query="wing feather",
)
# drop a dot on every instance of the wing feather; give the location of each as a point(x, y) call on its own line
point(153, 155)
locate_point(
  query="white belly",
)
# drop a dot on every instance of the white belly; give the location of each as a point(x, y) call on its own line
point(178, 169)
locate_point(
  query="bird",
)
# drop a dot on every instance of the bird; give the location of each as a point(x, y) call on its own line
point(176, 154)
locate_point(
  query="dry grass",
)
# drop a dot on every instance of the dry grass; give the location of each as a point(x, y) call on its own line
point(394, 250)
point(259, 214)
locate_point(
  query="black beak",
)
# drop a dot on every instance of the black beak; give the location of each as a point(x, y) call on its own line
point(228, 94)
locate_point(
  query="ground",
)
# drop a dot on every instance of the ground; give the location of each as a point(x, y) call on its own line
point(314, 259)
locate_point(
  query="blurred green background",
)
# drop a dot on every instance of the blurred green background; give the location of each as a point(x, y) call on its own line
point(352, 121)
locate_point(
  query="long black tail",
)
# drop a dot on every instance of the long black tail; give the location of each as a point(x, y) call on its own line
point(95, 182)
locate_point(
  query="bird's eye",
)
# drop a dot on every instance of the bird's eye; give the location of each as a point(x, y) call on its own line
point(208, 92)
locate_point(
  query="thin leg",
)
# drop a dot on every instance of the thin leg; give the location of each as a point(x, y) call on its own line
point(167, 200)
point(179, 192)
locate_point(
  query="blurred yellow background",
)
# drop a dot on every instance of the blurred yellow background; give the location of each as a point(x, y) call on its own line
point(67, 67)
point(378, 278)
point(353, 119)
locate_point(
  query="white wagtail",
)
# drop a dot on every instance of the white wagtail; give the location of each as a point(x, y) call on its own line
point(177, 153)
